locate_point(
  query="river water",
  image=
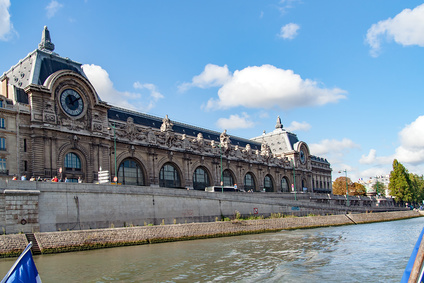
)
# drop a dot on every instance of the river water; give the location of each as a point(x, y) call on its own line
point(375, 252)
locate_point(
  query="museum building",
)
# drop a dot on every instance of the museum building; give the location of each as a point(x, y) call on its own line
point(54, 123)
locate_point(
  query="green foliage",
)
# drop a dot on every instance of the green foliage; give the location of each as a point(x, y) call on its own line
point(379, 188)
point(357, 190)
point(400, 184)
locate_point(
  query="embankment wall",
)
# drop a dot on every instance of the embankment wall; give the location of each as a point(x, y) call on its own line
point(52, 242)
point(27, 207)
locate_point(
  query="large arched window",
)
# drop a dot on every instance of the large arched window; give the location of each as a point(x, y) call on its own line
point(200, 179)
point(228, 178)
point(249, 182)
point(169, 177)
point(268, 186)
point(130, 173)
point(72, 162)
point(284, 185)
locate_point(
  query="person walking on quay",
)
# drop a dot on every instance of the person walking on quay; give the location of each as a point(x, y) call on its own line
point(55, 179)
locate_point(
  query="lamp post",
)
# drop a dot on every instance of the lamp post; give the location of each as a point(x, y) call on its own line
point(294, 181)
point(114, 145)
point(347, 188)
point(222, 177)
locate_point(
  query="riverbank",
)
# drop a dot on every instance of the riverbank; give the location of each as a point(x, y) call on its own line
point(66, 241)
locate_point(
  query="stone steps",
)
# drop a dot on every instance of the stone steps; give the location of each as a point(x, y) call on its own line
point(35, 248)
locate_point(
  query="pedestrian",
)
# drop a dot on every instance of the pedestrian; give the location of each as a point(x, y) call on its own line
point(15, 178)
point(79, 179)
point(55, 179)
point(23, 178)
point(66, 180)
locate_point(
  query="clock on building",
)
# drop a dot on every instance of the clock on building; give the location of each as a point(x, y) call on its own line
point(71, 102)
point(302, 156)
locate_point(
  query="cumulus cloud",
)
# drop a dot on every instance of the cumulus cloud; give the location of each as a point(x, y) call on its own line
point(337, 147)
point(52, 8)
point(6, 26)
point(298, 126)
point(411, 137)
point(235, 122)
point(265, 86)
point(406, 28)
point(211, 76)
point(289, 31)
point(144, 100)
point(373, 159)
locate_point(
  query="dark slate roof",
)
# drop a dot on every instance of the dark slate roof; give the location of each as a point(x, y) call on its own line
point(120, 114)
point(50, 65)
point(319, 159)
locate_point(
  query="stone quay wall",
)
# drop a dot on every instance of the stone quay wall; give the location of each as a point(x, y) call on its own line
point(28, 207)
point(53, 242)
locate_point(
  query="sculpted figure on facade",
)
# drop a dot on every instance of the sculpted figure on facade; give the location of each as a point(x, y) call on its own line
point(185, 142)
point(198, 142)
point(130, 129)
point(166, 124)
point(151, 137)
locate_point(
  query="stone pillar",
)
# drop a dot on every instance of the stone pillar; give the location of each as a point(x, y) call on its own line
point(21, 211)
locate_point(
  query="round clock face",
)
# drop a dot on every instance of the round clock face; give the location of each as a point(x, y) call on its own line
point(302, 156)
point(71, 102)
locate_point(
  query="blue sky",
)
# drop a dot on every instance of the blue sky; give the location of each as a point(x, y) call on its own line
point(345, 76)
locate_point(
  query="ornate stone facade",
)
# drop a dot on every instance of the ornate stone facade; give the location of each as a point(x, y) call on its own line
point(63, 129)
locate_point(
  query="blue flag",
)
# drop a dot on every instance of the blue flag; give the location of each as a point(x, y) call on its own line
point(24, 269)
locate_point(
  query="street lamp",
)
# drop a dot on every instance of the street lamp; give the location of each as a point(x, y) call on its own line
point(222, 177)
point(347, 189)
point(114, 145)
point(294, 181)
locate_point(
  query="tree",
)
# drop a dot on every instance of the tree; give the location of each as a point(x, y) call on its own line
point(339, 186)
point(379, 188)
point(400, 183)
point(357, 190)
point(417, 185)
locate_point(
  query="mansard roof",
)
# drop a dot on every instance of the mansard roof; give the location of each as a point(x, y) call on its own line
point(38, 65)
point(120, 114)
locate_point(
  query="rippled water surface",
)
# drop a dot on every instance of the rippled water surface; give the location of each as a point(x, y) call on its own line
point(375, 252)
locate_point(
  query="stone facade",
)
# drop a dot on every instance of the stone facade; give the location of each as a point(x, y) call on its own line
point(57, 125)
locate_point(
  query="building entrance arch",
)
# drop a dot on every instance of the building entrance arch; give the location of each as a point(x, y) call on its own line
point(169, 176)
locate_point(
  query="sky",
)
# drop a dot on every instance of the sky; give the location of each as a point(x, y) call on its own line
point(345, 76)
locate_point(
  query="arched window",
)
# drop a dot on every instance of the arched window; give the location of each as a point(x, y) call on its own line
point(169, 177)
point(228, 178)
point(268, 186)
point(130, 173)
point(200, 179)
point(72, 162)
point(249, 182)
point(284, 185)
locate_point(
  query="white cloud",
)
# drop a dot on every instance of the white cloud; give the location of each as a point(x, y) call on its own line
point(298, 126)
point(52, 8)
point(267, 87)
point(235, 122)
point(334, 147)
point(411, 137)
point(406, 28)
point(6, 26)
point(211, 76)
point(285, 5)
point(289, 31)
point(143, 101)
point(373, 159)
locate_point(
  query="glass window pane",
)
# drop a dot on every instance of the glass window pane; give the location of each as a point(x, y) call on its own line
point(130, 173)
point(169, 177)
point(200, 179)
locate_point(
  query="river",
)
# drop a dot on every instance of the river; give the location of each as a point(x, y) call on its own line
point(375, 252)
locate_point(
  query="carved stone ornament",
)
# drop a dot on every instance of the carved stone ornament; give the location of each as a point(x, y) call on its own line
point(73, 125)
